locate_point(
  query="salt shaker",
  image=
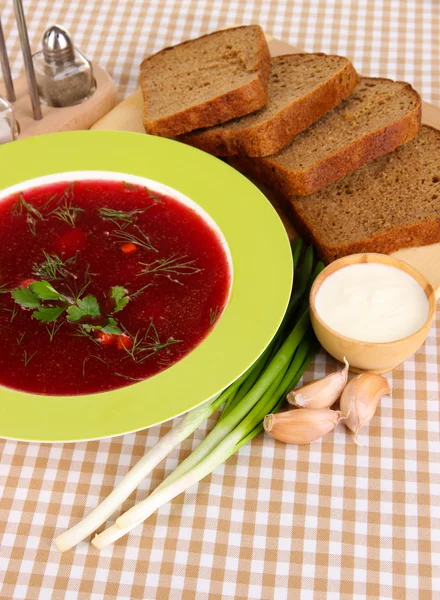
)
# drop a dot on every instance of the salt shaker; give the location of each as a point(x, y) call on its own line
point(8, 124)
point(64, 75)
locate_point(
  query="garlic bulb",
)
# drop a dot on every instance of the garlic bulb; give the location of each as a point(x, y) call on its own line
point(359, 400)
point(301, 426)
point(321, 393)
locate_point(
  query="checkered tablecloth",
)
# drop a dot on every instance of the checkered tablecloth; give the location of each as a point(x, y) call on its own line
point(327, 521)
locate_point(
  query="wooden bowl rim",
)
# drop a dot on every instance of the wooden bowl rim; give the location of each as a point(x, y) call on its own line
point(373, 257)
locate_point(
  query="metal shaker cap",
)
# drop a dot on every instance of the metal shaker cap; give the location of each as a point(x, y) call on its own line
point(57, 45)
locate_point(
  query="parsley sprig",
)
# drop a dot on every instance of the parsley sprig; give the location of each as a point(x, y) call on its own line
point(48, 304)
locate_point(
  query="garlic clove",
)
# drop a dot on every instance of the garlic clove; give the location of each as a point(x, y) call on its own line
point(303, 425)
point(360, 398)
point(321, 393)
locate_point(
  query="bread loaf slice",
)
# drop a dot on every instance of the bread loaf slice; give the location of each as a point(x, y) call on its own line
point(302, 88)
point(392, 202)
point(205, 81)
point(376, 118)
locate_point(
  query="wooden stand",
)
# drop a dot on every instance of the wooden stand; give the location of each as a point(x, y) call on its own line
point(81, 116)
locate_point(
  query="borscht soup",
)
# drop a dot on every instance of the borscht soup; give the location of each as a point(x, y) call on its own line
point(103, 283)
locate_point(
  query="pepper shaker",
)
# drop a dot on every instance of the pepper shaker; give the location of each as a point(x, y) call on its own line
point(64, 75)
point(8, 124)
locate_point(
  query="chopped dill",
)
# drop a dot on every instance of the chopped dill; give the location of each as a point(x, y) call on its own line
point(141, 240)
point(157, 199)
point(33, 215)
point(20, 338)
point(67, 213)
point(27, 359)
point(4, 288)
point(137, 292)
point(69, 192)
point(83, 333)
point(53, 329)
point(14, 312)
point(147, 344)
point(46, 204)
point(129, 378)
point(213, 315)
point(120, 218)
point(130, 186)
point(174, 265)
point(87, 359)
point(54, 268)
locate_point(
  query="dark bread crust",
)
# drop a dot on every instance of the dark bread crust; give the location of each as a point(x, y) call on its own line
point(344, 160)
point(235, 103)
point(424, 231)
point(270, 136)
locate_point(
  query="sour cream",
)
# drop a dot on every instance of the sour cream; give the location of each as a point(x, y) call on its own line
point(372, 302)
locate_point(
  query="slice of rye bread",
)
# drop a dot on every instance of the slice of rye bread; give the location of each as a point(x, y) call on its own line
point(379, 116)
point(392, 202)
point(302, 88)
point(205, 81)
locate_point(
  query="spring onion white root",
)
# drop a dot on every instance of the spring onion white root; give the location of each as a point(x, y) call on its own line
point(190, 422)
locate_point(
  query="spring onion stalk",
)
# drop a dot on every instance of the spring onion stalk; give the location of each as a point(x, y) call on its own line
point(190, 422)
point(236, 416)
point(224, 450)
point(301, 287)
point(239, 417)
point(296, 247)
point(242, 434)
point(248, 383)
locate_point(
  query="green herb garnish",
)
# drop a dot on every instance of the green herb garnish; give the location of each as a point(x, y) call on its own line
point(87, 359)
point(48, 314)
point(26, 298)
point(121, 218)
point(174, 265)
point(14, 312)
point(120, 298)
point(54, 268)
point(86, 307)
point(213, 315)
point(67, 213)
point(48, 304)
point(111, 327)
point(129, 378)
point(153, 196)
point(146, 345)
point(142, 240)
point(38, 292)
point(33, 215)
point(69, 192)
point(139, 291)
point(52, 329)
point(26, 358)
point(130, 186)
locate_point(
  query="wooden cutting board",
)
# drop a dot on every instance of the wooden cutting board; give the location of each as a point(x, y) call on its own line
point(127, 116)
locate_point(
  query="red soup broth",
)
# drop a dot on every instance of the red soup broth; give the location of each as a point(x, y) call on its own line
point(100, 239)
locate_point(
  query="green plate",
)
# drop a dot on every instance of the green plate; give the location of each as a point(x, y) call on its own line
point(262, 279)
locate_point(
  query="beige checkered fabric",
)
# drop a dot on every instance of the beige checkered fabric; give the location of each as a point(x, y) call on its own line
point(329, 521)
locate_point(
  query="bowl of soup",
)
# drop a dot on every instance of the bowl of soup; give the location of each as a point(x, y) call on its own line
point(132, 287)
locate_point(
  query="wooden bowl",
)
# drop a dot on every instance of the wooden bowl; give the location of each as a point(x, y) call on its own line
point(376, 357)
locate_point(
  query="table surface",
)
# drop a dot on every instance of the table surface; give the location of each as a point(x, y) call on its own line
point(327, 521)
